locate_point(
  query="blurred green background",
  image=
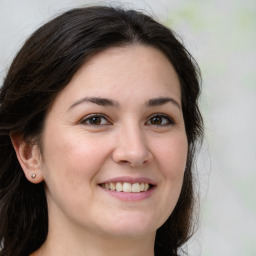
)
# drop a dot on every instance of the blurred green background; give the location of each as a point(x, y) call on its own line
point(221, 35)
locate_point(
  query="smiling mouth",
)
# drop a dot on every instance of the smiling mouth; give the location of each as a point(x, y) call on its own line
point(127, 187)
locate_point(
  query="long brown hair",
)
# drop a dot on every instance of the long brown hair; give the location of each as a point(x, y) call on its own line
point(42, 68)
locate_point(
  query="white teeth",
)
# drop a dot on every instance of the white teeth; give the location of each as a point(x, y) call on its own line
point(126, 187)
point(112, 186)
point(119, 187)
point(146, 187)
point(136, 187)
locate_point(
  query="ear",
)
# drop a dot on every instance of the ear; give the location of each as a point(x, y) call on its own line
point(28, 155)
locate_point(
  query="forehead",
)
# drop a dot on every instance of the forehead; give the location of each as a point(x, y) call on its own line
point(128, 71)
point(120, 60)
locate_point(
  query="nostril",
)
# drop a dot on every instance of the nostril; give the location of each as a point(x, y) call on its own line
point(135, 155)
point(124, 162)
point(134, 161)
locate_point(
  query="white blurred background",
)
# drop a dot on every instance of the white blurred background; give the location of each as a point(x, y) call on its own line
point(221, 35)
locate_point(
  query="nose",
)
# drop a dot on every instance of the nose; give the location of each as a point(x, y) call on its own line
point(131, 148)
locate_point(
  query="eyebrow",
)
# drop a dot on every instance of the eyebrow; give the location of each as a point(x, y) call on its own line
point(112, 103)
point(161, 101)
point(96, 100)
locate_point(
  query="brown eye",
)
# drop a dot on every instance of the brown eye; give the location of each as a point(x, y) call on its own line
point(95, 120)
point(156, 120)
point(160, 120)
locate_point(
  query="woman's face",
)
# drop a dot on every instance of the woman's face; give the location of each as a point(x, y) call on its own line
point(114, 145)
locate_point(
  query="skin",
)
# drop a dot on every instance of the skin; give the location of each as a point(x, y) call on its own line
point(78, 153)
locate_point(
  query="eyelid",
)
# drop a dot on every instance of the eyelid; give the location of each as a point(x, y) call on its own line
point(83, 121)
point(162, 115)
point(87, 117)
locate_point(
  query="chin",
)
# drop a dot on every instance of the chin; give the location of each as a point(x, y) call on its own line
point(132, 226)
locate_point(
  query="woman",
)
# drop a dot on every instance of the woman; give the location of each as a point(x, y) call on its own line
point(99, 123)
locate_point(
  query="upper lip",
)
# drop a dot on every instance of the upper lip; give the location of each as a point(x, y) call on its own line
point(129, 179)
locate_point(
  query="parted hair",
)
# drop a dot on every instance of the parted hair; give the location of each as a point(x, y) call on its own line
point(42, 68)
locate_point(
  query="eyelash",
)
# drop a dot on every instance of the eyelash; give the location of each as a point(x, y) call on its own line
point(168, 120)
point(88, 120)
point(94, 116)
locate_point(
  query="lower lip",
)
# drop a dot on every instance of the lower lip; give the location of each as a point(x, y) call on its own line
point(129, 196)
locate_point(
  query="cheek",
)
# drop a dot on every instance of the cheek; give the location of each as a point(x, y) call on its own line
point(172, 156)
point(69, 167)
point(71, 158)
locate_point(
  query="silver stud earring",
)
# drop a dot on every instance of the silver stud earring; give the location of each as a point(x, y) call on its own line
point(33, 175)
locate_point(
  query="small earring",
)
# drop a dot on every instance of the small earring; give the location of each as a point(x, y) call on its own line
point(33, 175)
